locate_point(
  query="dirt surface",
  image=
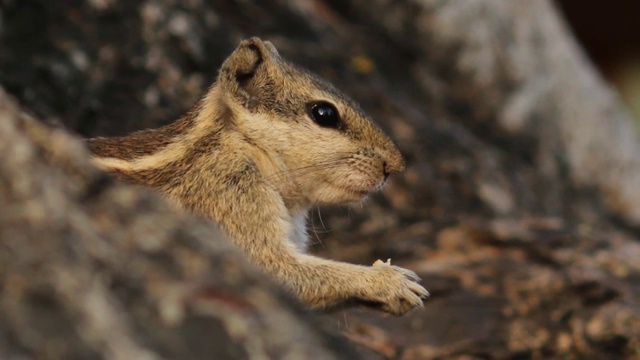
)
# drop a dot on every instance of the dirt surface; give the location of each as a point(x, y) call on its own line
point(519, 208)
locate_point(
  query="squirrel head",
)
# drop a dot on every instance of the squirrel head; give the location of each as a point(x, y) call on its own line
point(308, 135)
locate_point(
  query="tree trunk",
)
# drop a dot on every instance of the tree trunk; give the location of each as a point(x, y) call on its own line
point(519, 208)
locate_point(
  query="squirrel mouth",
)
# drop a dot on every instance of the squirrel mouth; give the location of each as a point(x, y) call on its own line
point(361, 192)
point(366, 191)
point(357, 191)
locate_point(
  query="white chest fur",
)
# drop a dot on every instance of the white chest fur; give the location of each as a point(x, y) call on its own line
point(299, 236)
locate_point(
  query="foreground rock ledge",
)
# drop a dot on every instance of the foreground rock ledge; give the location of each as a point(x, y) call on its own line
point(90, 268)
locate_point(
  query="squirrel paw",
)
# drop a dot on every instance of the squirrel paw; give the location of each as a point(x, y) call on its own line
point(394, 290)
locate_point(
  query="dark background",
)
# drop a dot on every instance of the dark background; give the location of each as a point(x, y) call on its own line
point(609, 35)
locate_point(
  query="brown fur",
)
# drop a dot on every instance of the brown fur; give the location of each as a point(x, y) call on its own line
point(249, 157)
point(141, 143)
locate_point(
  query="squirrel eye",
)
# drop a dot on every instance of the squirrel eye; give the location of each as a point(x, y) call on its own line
point(325, 115)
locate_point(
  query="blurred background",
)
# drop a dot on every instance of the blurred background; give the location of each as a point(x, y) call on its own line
point(609, 33)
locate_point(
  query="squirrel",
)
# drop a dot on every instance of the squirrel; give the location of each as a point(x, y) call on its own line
point(266, 142)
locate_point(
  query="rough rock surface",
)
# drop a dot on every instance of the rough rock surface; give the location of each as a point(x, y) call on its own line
point(93, 269)
point(519, 208)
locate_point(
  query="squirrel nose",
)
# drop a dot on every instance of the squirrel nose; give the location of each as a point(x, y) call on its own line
point(392, 168)
point(385, 171)
point(393, 164)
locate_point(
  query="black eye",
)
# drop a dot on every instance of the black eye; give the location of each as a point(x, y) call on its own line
point(325, 115)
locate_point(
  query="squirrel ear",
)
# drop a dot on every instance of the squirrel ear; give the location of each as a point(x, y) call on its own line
point(247, 59)
point(247, 69)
